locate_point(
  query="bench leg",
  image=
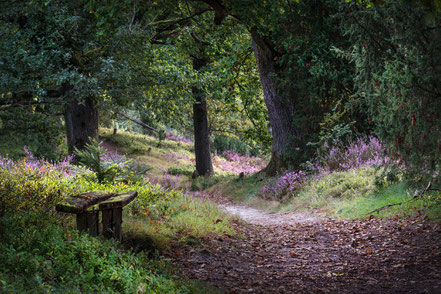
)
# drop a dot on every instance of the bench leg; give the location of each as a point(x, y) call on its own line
point(112, 220)
point(88, 221)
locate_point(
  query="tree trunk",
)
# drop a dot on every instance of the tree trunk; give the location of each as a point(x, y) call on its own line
point(280, 112)
point(81, 121)
point(204, 166)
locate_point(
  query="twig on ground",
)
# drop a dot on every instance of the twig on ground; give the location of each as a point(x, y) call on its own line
point(416, 195)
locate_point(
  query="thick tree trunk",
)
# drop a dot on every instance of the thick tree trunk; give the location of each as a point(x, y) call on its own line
point(204, 166)
point(81, 121)
point(280, 112)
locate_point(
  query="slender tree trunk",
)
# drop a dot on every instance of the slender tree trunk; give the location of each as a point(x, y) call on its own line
point(280, 112)
point(204, 166)
point(81, 121)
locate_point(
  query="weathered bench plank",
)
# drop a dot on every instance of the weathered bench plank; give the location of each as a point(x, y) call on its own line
point(79, 203)
point(118, 201)
point(89, 220)
point(112, 214)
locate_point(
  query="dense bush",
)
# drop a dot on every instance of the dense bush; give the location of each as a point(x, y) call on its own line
point(185, 170)
point(333, 160)
point(33, 184)
point(355, 182)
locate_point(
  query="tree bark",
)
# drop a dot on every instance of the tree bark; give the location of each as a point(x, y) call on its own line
point(204, 166)
point(81, 121)
point(280, 110)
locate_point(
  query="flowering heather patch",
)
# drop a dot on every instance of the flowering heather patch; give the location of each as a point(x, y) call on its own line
point(166, 181)
point(291, 182)
point(231, 155)
point(178, 138)
point(32, 183)
point(38, 165)
point(5, 162)
point(109, 156)
point(360, 153)
point(237, 164)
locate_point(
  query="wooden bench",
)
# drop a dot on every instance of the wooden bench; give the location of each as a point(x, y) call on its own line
point(88, 205)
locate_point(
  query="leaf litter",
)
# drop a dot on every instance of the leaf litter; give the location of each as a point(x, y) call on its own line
point(302, 253)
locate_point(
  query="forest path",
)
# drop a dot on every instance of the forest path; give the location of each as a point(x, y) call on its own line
point(301, 253)
point(257, 217)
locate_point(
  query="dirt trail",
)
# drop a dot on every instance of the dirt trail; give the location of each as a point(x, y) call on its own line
point(257, 217)
point(302, 253)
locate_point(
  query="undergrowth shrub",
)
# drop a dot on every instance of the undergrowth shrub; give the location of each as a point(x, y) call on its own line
point(107, 166)
point(340, 166)
point(283, 187)
point(32, 184)
point(345, 184)
point(38, 255)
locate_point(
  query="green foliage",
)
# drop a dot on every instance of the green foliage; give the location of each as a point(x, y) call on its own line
point(38, 255)
point(223, 143)
point(106, 171)
point(28, 188)
point(357, 207)
point(203, 183)
point(395, 51)
point(42, 135)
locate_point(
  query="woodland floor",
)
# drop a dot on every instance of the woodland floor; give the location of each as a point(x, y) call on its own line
point(301, 253)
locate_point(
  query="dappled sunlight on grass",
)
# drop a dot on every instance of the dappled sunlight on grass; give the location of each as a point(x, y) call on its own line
point(188, 221)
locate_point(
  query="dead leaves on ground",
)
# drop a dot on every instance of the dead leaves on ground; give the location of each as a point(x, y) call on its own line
point(329, 257)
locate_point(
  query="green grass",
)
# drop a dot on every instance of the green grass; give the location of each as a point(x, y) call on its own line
point(189, 222)
point(352, 194)
point(242, 190)
point(138, 144)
